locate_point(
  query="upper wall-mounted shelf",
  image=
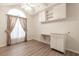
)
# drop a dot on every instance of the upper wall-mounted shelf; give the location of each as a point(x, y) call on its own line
point(56, 12)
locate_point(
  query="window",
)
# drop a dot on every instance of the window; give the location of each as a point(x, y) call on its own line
point(18, 31)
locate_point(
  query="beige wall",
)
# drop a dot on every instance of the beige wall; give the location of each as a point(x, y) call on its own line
point(70, 24)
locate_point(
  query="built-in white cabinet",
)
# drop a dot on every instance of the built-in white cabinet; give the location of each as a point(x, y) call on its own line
point(57, 42)
point(42, 16)
point(59, 12)
point(56, 12)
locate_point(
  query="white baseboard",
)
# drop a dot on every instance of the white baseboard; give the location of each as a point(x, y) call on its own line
point(3, 45)
point(73, 51)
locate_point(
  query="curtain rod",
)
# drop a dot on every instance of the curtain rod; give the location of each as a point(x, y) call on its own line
point(15, 16)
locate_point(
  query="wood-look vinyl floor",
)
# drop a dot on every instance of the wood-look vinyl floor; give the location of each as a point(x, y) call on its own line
point(30, 48)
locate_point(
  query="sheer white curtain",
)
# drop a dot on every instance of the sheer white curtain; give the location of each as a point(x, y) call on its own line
point(18, 33)
point(23, 22)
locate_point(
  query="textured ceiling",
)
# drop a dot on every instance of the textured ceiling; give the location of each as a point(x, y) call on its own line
point(7, 4)
point(30, 8)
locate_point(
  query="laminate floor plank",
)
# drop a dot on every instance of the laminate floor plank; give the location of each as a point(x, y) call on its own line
point(29, 48)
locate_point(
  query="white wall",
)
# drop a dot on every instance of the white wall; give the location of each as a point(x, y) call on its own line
point(2, 30)
point(70, 24)
point(3, 25)
point(30, 28)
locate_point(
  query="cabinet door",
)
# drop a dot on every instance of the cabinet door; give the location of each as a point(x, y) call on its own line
point(59, 11)
point(42, 16)
point(53, 42)
point(57, 42)
point(60, 42)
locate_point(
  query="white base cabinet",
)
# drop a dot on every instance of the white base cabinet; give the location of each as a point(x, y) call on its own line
point(57, 42)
